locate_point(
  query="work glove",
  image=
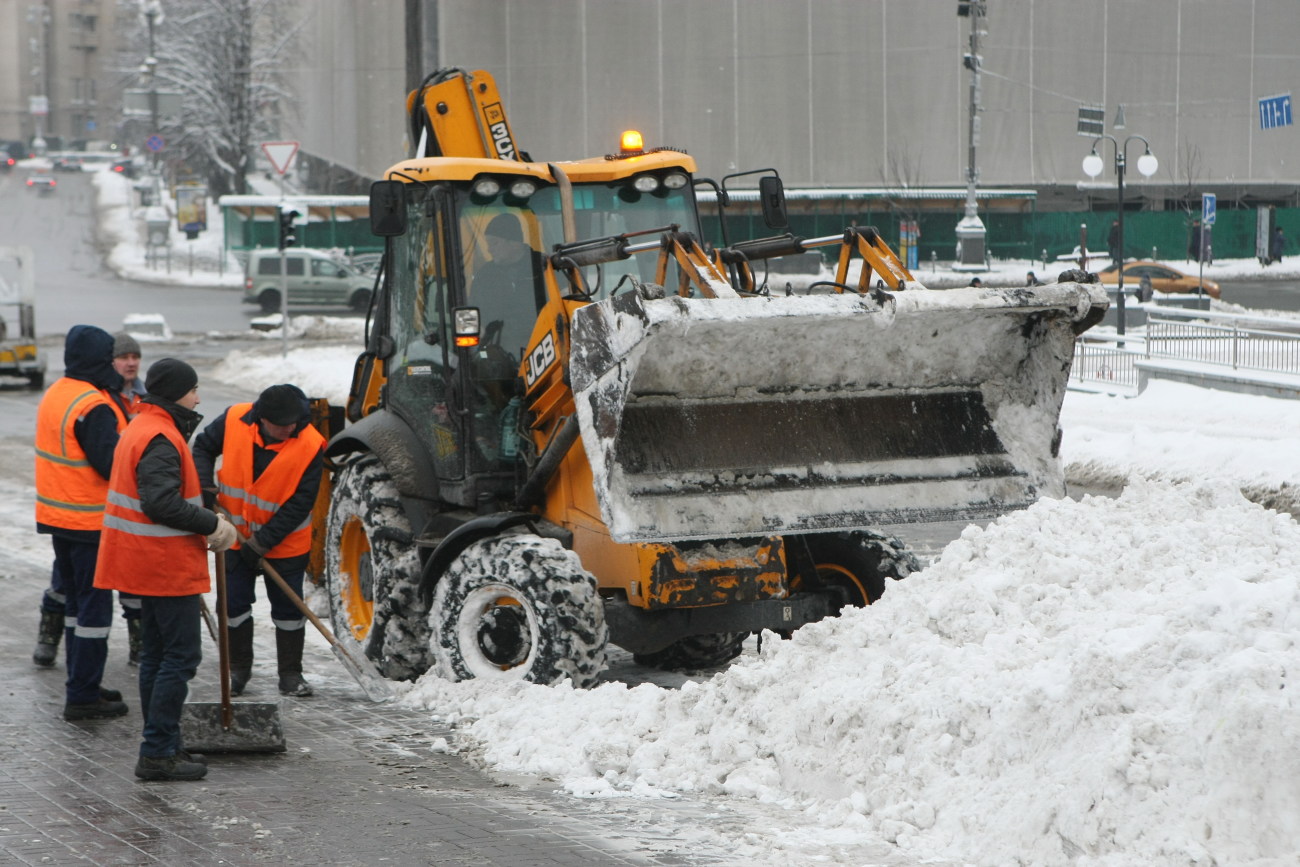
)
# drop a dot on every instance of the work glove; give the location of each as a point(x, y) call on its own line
point(223, 537)
point(251, 553)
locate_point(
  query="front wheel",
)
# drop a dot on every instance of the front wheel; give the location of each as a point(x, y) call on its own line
point(859, 562)
point(360, 300)
point(373, 571)
point(519, 607)
point(695, 652)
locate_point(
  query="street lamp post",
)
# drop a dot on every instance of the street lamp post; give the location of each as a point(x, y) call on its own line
point(1147, 165)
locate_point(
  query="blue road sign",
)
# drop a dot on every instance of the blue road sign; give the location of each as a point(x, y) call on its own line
point(154, 143)
point(1275, 111)
point(1209, 208)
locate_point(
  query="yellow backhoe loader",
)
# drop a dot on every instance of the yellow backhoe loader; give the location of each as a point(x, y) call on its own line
point(574, 424)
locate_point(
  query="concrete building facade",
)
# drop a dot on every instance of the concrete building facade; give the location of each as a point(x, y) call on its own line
point(59, 57)
point(837, 93)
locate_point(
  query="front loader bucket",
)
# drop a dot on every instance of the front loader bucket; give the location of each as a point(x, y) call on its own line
point(725, 417)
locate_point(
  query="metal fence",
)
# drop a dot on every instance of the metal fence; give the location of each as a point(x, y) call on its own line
point(1107, 362)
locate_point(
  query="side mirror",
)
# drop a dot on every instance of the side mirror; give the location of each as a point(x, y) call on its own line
point(771, 192)
point(387, 208)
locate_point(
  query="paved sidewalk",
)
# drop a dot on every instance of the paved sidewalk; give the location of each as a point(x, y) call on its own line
point(360, 783)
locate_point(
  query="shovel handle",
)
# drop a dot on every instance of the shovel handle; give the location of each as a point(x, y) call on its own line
point(297, 601)
point(223, 643)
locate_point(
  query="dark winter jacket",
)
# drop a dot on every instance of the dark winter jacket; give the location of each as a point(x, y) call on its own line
point(158, 476)
point(296, 510)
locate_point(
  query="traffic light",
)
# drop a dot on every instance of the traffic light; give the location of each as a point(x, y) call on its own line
point(288, 234)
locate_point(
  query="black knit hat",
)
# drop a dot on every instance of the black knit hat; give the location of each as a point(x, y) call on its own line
point(170, 379)
point(282, 404)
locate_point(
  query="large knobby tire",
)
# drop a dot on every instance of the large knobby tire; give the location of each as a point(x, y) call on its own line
point(519, 607)
point(860, 561)
point(373, 571)
point(695, 652)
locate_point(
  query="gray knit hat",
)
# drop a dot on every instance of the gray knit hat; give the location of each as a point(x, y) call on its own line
point(125, 344)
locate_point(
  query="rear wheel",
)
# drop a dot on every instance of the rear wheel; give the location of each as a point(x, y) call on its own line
point(373, 571)
point(695, 652)
point(519, 607)
point(859, 562)
point(360, 300)
point(269, 301)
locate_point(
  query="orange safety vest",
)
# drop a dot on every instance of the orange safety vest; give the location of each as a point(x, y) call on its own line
point(69, 491)
point(252, 504)
point(135, 554)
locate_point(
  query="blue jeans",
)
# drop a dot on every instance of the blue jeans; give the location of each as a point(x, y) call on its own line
point(170, 652)
point(89, 614)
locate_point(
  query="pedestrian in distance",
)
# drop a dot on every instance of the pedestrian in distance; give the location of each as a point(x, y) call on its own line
point(975, 281)
point(1113, 243)
point(272, 460)
point(1276, 245)
point(1194, 242)
point(156, 539)
point(126, 361)
point(1031, 279)
point(77, 429)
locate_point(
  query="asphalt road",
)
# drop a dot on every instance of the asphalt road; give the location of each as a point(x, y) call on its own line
point(74, 286)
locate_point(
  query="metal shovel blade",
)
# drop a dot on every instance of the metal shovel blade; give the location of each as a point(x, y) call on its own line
point(363, 671)
point(253, 727)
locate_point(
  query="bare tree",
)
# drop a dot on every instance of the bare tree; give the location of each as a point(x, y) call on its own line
point(227, 58)
point(903, 173)
point(1187, 183)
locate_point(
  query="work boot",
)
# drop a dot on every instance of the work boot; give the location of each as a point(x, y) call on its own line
point(133, 641)
point(47, 639)
point(241, 655)
point(172, 767)
point(288, 658)
point(110, 694)
point(100, 709)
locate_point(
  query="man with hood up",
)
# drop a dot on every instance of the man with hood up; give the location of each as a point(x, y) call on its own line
point(272, 460)
point(77, 428)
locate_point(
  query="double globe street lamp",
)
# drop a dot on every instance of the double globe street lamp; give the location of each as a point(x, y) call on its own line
point(1092, 166)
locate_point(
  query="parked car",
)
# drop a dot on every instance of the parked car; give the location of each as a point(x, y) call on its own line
point(314, 278)
point(44, 183)
point(67, 163)
point(1162, 278)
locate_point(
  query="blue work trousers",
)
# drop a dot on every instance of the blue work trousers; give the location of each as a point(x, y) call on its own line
point(241, 590)
point(170, 652)
point(88, 613)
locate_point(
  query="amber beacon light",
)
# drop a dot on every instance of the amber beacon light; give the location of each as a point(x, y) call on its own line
point(631, 142)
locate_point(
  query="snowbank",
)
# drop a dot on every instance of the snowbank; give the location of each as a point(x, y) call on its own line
point(1079, 683)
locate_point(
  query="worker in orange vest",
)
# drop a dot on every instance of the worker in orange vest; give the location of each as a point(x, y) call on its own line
point(77, 428)
point(156, 539)
point(272, 460)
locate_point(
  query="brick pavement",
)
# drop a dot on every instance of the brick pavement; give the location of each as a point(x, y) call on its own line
point(360, 783)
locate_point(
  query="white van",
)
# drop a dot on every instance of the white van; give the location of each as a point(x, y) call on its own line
point(314, 278)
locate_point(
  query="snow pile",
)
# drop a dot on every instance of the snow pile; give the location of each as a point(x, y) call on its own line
point(1180, 432)
point(1095, 682)
point(320, 371)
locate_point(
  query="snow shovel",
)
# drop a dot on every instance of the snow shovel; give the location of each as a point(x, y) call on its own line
point(363, 671)
point(247, 727)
